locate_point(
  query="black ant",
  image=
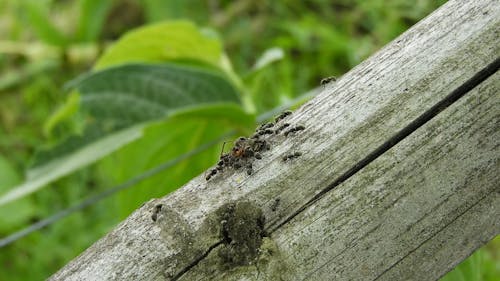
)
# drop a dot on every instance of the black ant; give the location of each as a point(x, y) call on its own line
point(242, 153)
point(211, 173)
point(282, 116)
point(294, 129)
point(156, 210)
point(245, 149)
point(281, 128)
point(275, 204)
point(327, 80)
point(291, 156)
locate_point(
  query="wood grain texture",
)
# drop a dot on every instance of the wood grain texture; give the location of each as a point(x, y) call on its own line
point(411, 214)
point(372, 225)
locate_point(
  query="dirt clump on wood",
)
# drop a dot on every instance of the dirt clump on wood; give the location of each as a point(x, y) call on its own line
point(242, 230)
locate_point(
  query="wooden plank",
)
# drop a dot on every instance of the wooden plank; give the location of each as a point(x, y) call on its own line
point(412, 214)
point(409, 214)
point(344, 124)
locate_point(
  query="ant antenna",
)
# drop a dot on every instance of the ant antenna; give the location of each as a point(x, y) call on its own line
point(223, 145)
point(222, 150)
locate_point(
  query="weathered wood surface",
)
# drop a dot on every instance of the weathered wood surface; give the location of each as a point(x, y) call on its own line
point(413, 212)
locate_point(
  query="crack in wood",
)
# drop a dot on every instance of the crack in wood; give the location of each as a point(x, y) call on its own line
point(454, 96)
point(351, 245)
point(195, 262)
point(432, 236)
point(241, 231)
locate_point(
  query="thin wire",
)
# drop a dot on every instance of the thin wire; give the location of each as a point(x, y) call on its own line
point(97, 197)
point(149, 173)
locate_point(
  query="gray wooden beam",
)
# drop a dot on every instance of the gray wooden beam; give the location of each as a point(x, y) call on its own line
point(398, 176)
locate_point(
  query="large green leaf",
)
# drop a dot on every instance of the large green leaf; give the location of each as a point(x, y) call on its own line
point(138, 92)
point(132, 96)
point(162, 42)
point(162, 142)
point(64, 164)
point(62, 114)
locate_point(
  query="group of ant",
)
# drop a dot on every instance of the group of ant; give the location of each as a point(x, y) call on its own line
point(245, 150)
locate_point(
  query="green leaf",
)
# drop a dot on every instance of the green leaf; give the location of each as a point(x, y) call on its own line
point(62, 165)
point(8, 176)
point(39, 19)
point(268, 57)
point(131, 96)
point(92, 17)
point(135, 93)
point(176, 41)
point(163, 42)
point(68, 109)
point(13, 77)
point(162, 142)
point(12, 215)
point(230, 114)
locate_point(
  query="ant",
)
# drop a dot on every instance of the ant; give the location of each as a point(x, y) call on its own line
point(291, 156)
point(294, 129)
point(327, 80)
point(281, 128)
point(283, 115)
point(156, 210)
point(240, 155)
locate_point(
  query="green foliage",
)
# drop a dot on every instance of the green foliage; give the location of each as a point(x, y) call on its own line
point(47, 250)
point(165, 141)
point(16, 215)
point(268, 57)
point(63, 113)
point(481, 266)
point(130, 96)
point(92, 16)
point(139, 92)
point(69, 157)
point(281, 51)
point(163, 42)
point(38, 17)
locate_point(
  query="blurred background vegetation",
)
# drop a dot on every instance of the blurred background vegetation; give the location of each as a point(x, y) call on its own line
point(46, 43)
